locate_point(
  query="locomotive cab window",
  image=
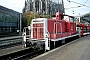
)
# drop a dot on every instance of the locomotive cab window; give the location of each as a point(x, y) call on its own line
point(71, 19)
point(74, 20)
point(38, 20)
point(66, 18)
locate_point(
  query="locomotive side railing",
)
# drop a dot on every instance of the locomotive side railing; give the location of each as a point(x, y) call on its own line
point(48, 38)
point(55, 25)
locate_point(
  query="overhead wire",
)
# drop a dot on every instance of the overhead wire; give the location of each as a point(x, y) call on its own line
point(79, 3)
point(86, 2)
point(73, 7)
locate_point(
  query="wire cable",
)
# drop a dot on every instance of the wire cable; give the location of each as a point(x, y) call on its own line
point(86, 2)
point(79, 3)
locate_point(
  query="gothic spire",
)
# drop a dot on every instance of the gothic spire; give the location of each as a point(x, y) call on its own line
point(29, 0)
point(25, 3)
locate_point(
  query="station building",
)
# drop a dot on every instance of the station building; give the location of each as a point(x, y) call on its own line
point(86, 18)
point(9, 20)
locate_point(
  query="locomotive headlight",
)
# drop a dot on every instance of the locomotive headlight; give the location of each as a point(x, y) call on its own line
point(46, 36)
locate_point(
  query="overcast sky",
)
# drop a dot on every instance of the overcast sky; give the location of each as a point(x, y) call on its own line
point(18, 5)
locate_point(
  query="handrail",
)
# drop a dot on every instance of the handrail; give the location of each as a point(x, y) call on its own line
point(56, 28)
point(48, 37)
point(56, 31)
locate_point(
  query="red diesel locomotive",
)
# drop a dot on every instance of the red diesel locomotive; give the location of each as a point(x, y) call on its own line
point(44, 30)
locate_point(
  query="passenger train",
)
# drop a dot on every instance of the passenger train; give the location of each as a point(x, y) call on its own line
point(47, 31)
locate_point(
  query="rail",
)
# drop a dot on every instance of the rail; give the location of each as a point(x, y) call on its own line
point(11, 41)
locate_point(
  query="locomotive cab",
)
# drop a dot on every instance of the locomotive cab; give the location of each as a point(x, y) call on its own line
point(39, 31)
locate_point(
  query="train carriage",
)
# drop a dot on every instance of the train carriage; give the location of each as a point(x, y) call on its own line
point(54, 29)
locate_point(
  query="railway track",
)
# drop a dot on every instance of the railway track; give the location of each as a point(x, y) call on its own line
point(24, 54)
point(10, 43)
point(27, 54)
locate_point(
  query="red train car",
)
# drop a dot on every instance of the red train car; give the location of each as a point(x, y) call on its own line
point(55, 29)
point(84, 28)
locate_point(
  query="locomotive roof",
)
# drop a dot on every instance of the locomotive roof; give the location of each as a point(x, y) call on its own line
point(63, 15)
point(67, 15)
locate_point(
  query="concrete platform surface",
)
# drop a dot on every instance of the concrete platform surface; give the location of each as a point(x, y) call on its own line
point(75, 50)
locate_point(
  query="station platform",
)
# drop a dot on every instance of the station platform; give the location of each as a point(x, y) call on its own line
point(76, 50)
point(12, 50)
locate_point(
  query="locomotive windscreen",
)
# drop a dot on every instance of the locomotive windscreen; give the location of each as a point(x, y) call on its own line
point(38, 31)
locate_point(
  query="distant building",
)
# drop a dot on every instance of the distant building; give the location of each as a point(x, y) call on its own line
point(44, 6)
point(9, 20)
point(86, 18)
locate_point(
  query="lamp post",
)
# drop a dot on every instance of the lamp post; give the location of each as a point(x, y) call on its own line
point(51, 7)
point(58, 5)
point(34, 9)
point(20, 24)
